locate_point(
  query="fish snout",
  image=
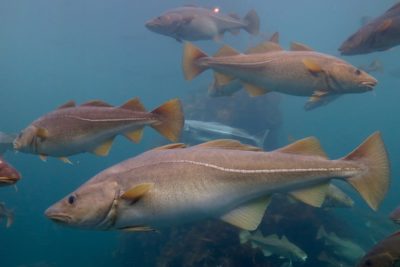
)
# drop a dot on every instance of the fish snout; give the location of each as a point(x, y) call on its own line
point(370, 84)
point(8, 174)
point(17, 145)
point(57, 217)
point(152, 24)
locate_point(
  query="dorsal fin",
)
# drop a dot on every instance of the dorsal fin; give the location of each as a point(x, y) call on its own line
point(133, 104)
point(170, 146)
point(264, 47)
point(226, 51)
point(228, 144)
point(394, 8)
point(274, 38)
point(300, 47)
point(96, 103)
point(234, 15)
point(69, 104)
point(309, 146)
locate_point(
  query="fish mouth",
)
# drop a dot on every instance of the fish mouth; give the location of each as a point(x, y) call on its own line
point(369, 84)
point(58, 217)
point(151, 24)
point(16, 145)
point(8, 180)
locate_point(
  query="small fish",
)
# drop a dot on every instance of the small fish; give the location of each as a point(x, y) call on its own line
point(6, 142)
point(225, 179)
point(266, 68)
point(384, 254)
point(92, 127)
point(395, 215)
point(379, 34)
point(6, 214)
point(336, 198)
point(8, 174)
point(343, 248)
point(374, 66)
point(273, 245)
point(196, 23)
point(206, 131)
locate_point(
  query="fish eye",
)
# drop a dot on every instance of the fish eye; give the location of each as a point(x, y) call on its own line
point(71, 199)
point(358, 72)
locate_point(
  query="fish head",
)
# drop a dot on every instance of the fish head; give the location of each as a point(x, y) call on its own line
point(29, 140)
point(300, 255)
point(361, 42)
point(346, 78)
point(382, 259)
point(92, 206)
point(8, 174)
point(166, 24)
point(395, 215)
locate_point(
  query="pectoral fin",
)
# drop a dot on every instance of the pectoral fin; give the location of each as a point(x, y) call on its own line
point(42, 133)
point(318, 99)
point(313, 196)
point(254, 90)
point(138, 191)
point(43, 157)
point(135, 135)
point(249, 215)
point(65, 160)
point(312, 66)
point(104, 148)
point(138, 228)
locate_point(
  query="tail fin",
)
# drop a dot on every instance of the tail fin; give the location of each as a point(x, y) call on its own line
point(252, 22)
point(244, 236)
point(373, 182)
point(171, 119)
point(190, 67)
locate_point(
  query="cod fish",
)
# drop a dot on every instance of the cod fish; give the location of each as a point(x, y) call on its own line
point(384, 254)
point(197, 23)
point(6, 214)
point(92, 127)
point(225, 179)
point(272, 244)
point(206, 131)
point(395, 215)
point(343, 248)
point(265, 68)
point(8, 174)
point(379, 34)
point(6, 142)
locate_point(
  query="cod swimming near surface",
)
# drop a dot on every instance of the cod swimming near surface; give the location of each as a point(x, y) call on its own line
point(92, 127)
point(225, 179)
point(265, 68)
point(380, 34)
point(193, 23)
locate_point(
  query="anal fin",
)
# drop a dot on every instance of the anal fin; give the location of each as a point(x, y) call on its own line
point(135, 136)
point(222, 79)
point(104, 148)
point(249, 215)
point(313, 196)
point(254, 90)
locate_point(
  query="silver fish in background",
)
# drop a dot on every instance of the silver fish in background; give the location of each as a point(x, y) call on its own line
point(203, 131)
point(193, 23)
point(379, 34)
point(395, 215)
point(273, 245)
point(6, 142)
point(300, 72)
point(92, 127)
point(8, 174)
point(6, 214)
point(343, 248)
point(225, 179)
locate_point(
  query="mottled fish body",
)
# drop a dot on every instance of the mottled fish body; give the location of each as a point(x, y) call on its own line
point(380, 34)
point(93, 126)
point(266, 68)
point(196, 23)
point(207, 131)
point(222, 179)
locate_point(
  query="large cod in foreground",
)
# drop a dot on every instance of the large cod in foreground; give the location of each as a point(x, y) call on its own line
point(224, 179)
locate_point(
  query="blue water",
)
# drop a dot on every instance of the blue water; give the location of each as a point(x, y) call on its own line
point(52, 51)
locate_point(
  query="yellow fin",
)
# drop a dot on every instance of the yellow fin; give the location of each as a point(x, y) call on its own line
point(222, 79)
point(43, 157)
point(385, 25)
point(313, 196)
point(139, 228)
point(274, 38)
point(226, 51)
point(228, 144)
point(320, 98)
point(171, 119)
point(170, 146)
point(300, 47)
point(96, 103)
point(309, 146)
point(191, 54)
point(42, 133)
point(312, 66)
point(135, 135)
point(133, 104)
point(137, 191)
point(69, 104)
point(104, 148)
point(65, 160)
point(248, 216)
point(254, 90)
point(265, 48)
